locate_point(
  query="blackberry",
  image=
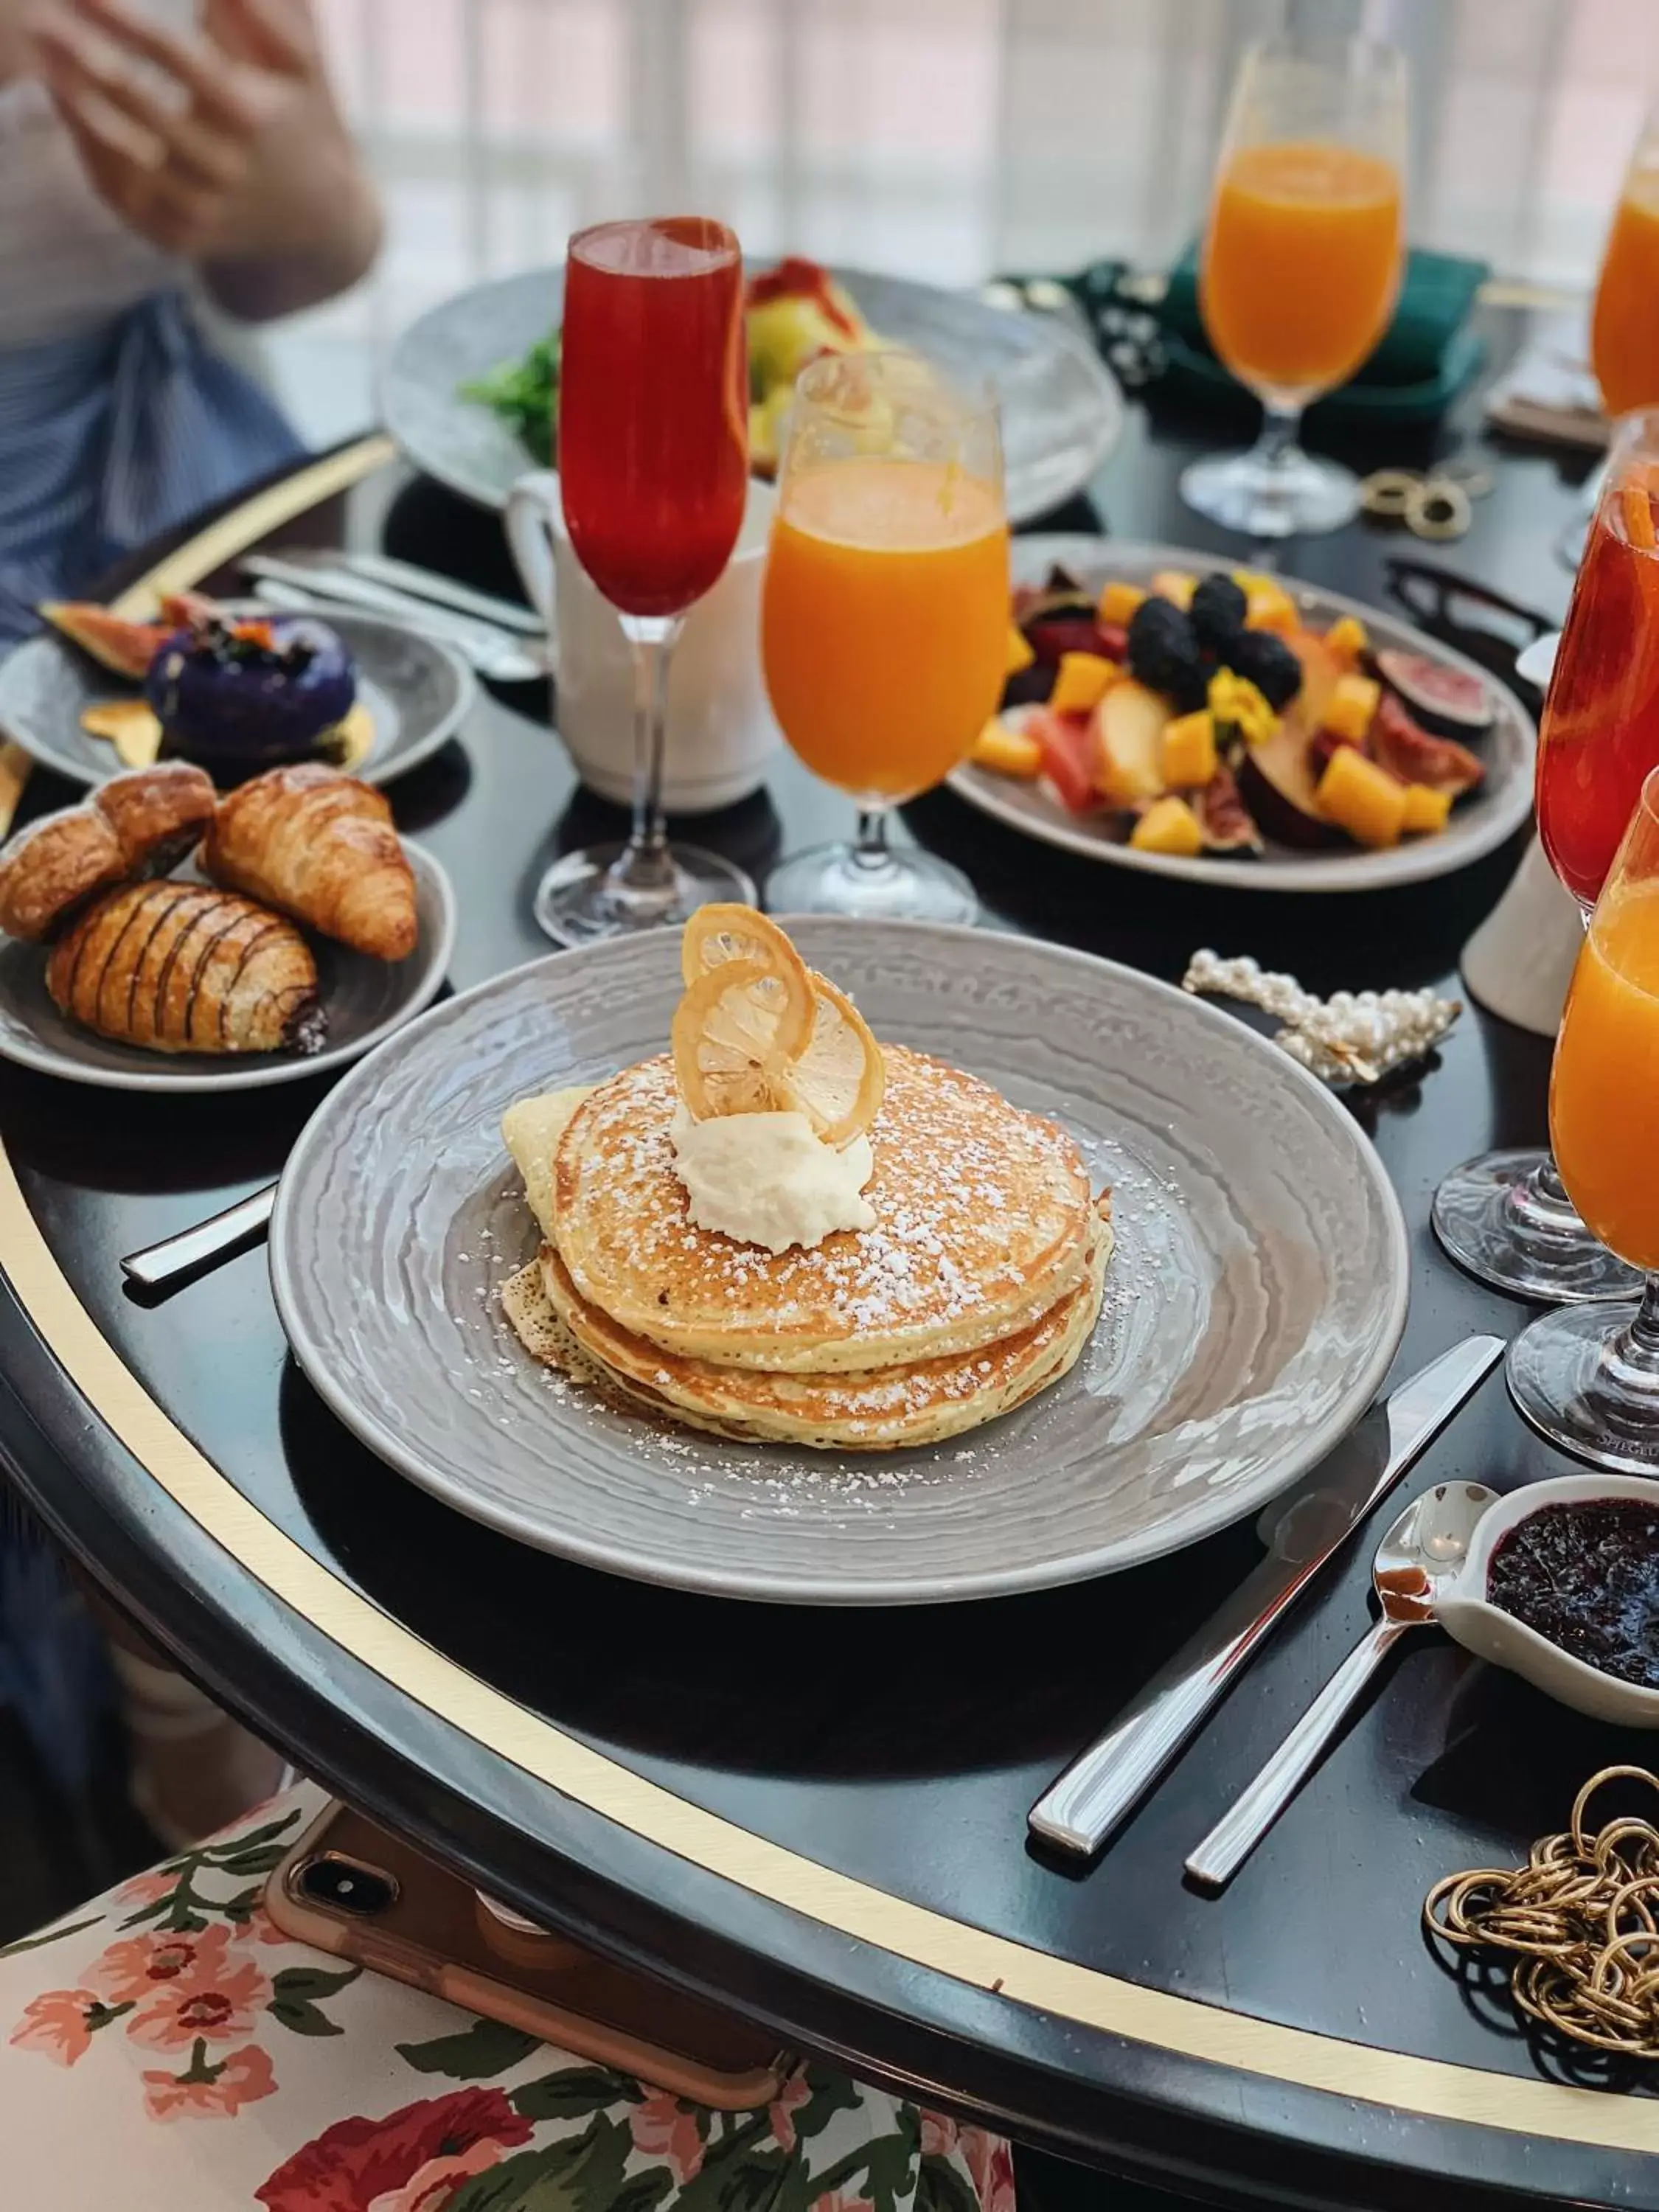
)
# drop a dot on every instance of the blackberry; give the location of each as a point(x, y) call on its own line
point(1217, 613)
point(1164, 654)
point(1266, 661)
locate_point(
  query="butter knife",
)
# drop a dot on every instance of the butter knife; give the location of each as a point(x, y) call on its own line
point(1103, 1783)
point(161, 1266)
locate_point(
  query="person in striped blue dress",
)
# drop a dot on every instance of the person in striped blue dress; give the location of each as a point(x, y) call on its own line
point(163, 163)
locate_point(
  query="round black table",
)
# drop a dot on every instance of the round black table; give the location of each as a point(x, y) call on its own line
point(818, 1817)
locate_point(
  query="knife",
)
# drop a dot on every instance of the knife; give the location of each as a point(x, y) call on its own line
point(420, 584)
point(505, 655)
point(161, 1266)
point(1103, 1783)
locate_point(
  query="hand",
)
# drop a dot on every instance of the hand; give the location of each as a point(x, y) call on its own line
point(225, 147)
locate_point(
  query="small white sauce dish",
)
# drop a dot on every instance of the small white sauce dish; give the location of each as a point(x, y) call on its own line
point(1463, 1610)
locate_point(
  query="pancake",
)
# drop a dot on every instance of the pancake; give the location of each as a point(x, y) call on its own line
point(916, 1403)
point(982, 1227)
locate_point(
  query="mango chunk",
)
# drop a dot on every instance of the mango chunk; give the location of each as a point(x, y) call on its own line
point(1427, 810)
point(1168, 825)
point(1019, 654)
point(1175, 585)
point(1189, 753)
point(1082, 683)
point(1362, 798)
point(1347, 639)
point(1267, 604)
point(1118, 601)
point(1006, 751)
point(1349, 709)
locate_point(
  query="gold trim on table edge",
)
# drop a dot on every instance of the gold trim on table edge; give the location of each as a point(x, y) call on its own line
point(1431, 2086)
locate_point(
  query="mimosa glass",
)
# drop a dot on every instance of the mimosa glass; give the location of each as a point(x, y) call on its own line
point(1301, 262)
point(1506, 1216)
point(653, 465)
point(884, 615)
point(1625, 319)
point(1588, 1377)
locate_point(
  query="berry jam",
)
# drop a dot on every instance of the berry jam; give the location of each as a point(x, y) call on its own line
point(1587, 1577)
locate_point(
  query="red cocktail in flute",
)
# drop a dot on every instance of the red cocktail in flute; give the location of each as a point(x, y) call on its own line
point(1506, 1216)
point(1601, 728)
point(654, 470)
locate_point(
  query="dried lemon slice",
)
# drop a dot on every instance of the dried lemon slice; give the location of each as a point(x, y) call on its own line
point(726, 931)
point(839, 1078)
point(735, 1034)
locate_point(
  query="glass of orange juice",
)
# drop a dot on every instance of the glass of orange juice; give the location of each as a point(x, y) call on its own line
point(1625, 321)
point(884, 615)
point(1301, 262)
point(1587, 1376)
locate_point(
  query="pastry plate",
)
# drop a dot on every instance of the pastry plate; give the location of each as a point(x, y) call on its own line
point(417, 693)
point(366, 1000)
point(1254, 1304)
point(1478, 825)
point(1062, 411)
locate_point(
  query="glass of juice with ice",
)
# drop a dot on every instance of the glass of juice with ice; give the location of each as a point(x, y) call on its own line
point(884, 615)
point(1587, 1376)
point(1301, 261)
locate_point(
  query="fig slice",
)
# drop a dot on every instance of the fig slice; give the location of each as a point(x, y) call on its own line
point(126, 648)
point(1448, 703)
point(1223, 816)
point(1400, 745)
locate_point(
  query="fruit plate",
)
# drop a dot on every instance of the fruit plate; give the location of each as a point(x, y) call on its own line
point(1062, 411)
point(365, 1001)
point(1254, 1304)
point(417, 692)
point(1479, 824)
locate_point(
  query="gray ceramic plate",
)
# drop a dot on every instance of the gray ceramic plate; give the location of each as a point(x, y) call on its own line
point(1255, 1302)
point(1479, 824)
point(417, 693)
point(367, 1000)
point(1061, 409)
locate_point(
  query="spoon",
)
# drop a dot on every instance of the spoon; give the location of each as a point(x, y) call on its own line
point(1417, 1558)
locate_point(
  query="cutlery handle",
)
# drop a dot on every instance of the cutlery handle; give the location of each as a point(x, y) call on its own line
point(1236, 1834)
point(1106, 1779)
point(1080, 1810)
point(174, 1257)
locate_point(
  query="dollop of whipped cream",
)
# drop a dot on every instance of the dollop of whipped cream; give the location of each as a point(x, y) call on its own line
point(768, 1179)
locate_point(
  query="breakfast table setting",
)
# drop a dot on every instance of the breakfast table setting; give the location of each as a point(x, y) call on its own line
point(883, 1215)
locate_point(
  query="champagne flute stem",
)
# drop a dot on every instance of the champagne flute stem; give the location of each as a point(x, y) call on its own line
point(1277, 443)
point(1636, 1349)
point(870, 849)
point(644, 867)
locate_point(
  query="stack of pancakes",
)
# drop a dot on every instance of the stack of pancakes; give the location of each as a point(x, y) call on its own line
point(976, 1287)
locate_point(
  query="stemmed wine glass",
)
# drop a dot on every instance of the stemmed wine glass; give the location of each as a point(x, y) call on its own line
point(1301, 261)
point(1506, 1216)
point(1624, 330)
point(1588, 1377)
point(884, 614)
point(654, 461)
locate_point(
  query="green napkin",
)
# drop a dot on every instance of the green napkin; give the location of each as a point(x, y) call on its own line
point(1424, 345)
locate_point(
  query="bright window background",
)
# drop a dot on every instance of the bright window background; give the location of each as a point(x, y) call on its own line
point(937, 138)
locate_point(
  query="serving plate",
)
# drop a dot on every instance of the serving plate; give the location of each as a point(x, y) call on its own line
point(416, 691)
point(1254, 1304)
point(366, 1000)
point(1479, 824)
point(1062, 411)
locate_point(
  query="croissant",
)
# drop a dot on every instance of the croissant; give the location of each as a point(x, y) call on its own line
point(53, 868)
point(185, 968)
point(158, 814)
point(319, 846)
